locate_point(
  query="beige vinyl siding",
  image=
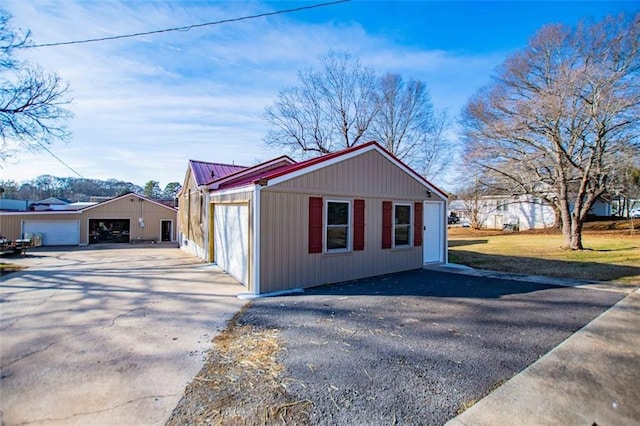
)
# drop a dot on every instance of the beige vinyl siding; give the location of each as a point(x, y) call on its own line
point(286, 263)
point(234, 197)
point(367, 174)
point(11, 223)
point(126, 208)
point(192, 204)
point(132, 209)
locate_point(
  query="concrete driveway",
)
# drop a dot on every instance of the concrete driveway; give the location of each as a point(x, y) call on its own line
point(106, 336)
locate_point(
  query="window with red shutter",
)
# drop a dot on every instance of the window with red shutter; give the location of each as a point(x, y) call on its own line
point(358, 225)
point(387, 224)
point(417, 227)
point(315, 224)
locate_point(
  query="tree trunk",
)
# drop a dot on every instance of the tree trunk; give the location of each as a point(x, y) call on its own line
point(575, 242)
point(565, 222)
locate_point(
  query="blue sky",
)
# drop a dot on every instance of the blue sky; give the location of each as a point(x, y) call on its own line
point(144, 106)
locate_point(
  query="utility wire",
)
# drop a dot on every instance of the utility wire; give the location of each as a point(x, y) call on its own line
point(43, 146)
point(187, 28)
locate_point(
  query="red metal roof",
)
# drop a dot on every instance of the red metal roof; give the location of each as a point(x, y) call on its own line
point(206, 172)
point(263, 175)
point(250, 174)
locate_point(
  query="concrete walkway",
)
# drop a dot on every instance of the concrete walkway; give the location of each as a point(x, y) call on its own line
point(593, 377)
point(105, 337)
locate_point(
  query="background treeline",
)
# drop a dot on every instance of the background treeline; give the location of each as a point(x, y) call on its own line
point(72, 189)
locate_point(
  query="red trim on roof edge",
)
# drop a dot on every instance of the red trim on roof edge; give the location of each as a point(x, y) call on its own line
point(250, 170)
point(313, 161)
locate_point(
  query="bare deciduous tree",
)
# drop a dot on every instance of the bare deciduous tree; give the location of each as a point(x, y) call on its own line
point(331, 109)
point(345, 104)
point(559, 115)
point(33, 104)
point(436, 148)
point(408, 127)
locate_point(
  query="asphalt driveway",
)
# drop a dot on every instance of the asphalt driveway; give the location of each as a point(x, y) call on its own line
point(417, 347)
point(106, 336)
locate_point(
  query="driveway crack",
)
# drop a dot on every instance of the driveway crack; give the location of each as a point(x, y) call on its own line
point(37, 351)
point(117, 317)
point(103, 410)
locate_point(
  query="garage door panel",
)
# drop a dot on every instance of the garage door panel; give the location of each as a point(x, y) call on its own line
point(54, 232)
point(231, 240)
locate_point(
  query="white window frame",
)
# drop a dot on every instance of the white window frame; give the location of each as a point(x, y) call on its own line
point(409, 226)
point(326, 226)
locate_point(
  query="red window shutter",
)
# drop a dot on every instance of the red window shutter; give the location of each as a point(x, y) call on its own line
point(417, 224)
point(315, 224)
point(387, 224)
point(358, 225)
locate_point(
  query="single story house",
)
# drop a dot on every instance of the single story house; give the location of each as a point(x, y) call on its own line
point(352, 214)
point(125, 219)
point(515, 212)
point(520, 212)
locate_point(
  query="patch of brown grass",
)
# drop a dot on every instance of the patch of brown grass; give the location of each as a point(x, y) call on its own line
point(240, 383)
point(7, 268)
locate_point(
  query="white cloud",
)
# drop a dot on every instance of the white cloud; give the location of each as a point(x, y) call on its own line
point(144, 106)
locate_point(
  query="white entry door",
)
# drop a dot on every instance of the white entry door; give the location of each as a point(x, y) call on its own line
point(231, 240)
point(433, 240)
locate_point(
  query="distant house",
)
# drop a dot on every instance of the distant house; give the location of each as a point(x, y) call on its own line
point(347, 215)
point(520, 212)
point(124, 219)
point(49, 204)
point(516, 212)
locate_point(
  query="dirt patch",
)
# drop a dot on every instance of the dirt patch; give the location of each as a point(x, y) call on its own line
point(241, 383)
point(7, 268)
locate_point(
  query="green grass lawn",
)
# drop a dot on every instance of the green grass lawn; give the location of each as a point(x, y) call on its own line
point(608, 256)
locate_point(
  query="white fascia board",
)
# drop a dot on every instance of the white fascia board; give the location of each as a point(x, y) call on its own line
point(256, 239)
point(354, 154)
point(238, 190)
point(321, 165)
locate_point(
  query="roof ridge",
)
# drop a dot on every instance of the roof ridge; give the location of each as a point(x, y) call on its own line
point(217, 164)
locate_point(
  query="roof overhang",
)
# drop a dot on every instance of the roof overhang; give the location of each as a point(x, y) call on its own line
point(337, 157)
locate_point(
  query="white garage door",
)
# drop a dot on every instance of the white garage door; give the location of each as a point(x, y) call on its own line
point(231, 240)
point(54, 232)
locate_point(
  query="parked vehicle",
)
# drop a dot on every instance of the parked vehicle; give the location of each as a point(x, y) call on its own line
point(635, 213)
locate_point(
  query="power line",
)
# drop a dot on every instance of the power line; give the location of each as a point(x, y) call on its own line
point(43, 146)
point(187, 28)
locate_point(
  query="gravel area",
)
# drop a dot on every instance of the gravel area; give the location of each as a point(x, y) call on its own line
point(416, 347)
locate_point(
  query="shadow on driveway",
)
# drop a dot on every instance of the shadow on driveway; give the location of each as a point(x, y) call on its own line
point(417, 347)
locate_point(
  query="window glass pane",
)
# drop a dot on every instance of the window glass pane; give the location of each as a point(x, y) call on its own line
point(402, 235)
point(337, 237)
point(337, 213)
point(403, 215)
